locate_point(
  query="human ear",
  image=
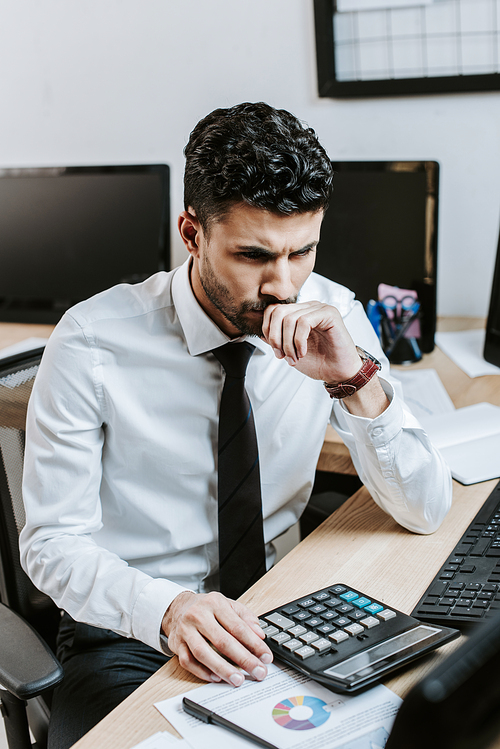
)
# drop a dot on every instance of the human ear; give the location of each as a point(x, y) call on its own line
point(189, 229)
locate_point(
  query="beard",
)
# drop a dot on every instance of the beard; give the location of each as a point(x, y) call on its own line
point(235, 313)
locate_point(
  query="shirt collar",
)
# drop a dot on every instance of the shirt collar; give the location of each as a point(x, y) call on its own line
point(200, 331)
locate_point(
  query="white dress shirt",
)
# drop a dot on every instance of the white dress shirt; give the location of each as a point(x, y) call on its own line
point(120, 481)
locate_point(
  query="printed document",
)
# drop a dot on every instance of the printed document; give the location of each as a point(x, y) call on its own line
point(288, 710)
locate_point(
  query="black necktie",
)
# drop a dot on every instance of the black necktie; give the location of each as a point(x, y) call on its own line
point(242, 558)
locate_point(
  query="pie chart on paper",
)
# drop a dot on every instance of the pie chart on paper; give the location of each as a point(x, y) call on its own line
point(301, 713)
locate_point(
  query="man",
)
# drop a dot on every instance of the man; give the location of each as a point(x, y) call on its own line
point(121, 458)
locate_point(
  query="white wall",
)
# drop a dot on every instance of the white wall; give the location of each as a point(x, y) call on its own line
point(124, 81)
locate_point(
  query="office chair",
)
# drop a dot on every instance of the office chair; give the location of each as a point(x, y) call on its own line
point(28, 618)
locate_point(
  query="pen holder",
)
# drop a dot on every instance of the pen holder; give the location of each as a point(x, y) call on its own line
point(398, 346)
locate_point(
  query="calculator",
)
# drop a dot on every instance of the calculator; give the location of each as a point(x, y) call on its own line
point(345, 639)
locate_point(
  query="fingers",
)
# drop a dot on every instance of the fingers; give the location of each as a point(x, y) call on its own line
point(216, 638)
point(287, 327)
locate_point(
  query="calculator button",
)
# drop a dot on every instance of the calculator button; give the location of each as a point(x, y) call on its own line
point(321, 596)
point(297, 631)
point(305, 603)
point(354, 629)
point(292, 645)
point(374, 608)
point(309, 637)
point(280, 621)
point(301, 616)
point(356, 615)
point(361, 602)
point(263, 624)
point(339, 636)
point(281, 637)
point(270, 631)
point(332, 602)
point(350, 595)
point(305, 652)
point(314, 622)
point(327, 628)
point(337, 589)
point(345, 608)
point(386, 614)
point(321, 645)
point(370, 622)
point(342, 622)
point(289, 610)
point(328, 616)
point(318, 609)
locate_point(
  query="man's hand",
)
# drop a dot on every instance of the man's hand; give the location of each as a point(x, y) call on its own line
point(209, 633)
point(312, 337)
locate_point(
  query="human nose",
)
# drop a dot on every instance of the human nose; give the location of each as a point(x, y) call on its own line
point(277, 281)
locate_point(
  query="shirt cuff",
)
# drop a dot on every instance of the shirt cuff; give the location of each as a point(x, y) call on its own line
point(382, 428)
point(149, 610)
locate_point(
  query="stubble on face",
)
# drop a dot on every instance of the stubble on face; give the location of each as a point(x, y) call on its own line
point(238, 315)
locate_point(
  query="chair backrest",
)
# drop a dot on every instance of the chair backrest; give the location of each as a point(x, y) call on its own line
point(17, 375)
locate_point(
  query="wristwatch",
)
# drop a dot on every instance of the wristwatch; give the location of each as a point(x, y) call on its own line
point(369, 368)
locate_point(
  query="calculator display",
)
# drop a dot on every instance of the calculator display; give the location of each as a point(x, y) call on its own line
point(365, 660)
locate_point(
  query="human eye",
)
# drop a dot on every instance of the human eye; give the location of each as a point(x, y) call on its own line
point(304, 252)
point(254, 255)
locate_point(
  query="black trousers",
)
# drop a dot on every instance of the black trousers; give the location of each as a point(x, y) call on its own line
point(101, 668)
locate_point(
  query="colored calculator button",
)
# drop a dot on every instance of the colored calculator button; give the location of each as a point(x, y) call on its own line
point(350, 595)
point(361, 602)
point(374, 608)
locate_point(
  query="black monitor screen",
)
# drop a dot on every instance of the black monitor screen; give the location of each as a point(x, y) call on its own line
point(381, 227)
point(492, 342)
point(68, 233)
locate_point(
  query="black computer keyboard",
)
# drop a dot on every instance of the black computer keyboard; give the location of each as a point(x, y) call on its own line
point(466, 589)
point(340, 637)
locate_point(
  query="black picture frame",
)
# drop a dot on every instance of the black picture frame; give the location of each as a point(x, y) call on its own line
point(330, 87)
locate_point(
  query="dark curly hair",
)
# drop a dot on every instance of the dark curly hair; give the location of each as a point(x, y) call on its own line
point(255, 154)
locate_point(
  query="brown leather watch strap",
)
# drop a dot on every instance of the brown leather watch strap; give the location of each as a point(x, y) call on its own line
point(369, 368)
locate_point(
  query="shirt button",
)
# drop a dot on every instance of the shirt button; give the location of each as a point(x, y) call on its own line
point(377, 432)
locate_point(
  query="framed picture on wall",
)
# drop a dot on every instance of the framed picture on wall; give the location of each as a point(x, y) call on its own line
point(401, 47)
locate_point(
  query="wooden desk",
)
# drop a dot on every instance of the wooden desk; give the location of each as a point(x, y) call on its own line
point(358, 545)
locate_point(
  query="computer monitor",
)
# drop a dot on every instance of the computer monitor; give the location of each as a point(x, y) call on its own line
point(67, 233)
point(492, 340)
point(381, 226)
point(457, 705)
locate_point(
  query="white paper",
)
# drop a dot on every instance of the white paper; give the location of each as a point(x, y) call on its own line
point(27, 345)
point(287, 709)
point(469, 441)
point(161, 740)
point(350, 5)
point(423, 392)
point(465, 348)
